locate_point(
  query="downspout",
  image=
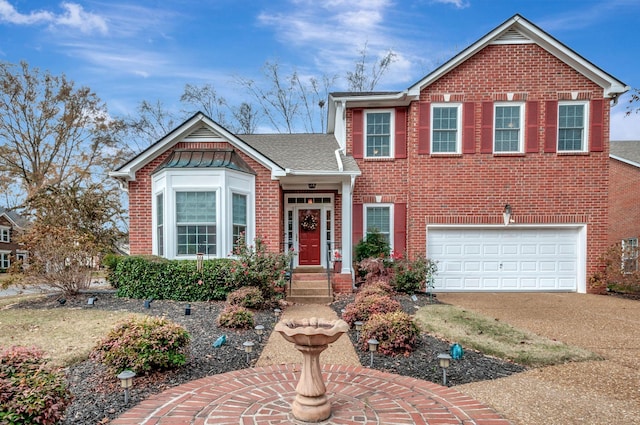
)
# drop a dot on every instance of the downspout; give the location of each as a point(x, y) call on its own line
point(339, 160)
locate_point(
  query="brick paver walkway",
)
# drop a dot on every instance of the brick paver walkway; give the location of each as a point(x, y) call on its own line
point(263, 395)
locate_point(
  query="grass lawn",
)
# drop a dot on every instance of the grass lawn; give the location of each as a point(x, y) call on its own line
point(65, 335)
point(494, 338)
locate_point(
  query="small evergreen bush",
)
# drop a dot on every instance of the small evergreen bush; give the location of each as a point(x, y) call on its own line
point(30, 392)
point(236, 317)
point(396, 332)
point(411, 276)
point(248, 297)
point(362, 308)
point(143, 345)
point(373, 245)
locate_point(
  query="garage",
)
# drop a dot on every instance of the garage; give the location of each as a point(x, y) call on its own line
point(508, 258)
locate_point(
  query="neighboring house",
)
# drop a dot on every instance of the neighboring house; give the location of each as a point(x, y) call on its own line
point(10, 223)
point(495, 165)
point(624, 200)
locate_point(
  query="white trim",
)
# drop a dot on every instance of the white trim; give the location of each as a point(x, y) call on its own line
point(522, 127)
point(8, 258)
point(323, 207)
point(392, 130)
point(626, 161)
point(458, 107)
point(4, 229)
point(581, 242)
point(391, 220)
point(586, 124)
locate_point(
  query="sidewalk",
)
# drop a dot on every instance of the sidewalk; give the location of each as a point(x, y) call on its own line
point(278, 351)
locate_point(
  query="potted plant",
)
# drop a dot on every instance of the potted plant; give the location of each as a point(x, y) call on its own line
point(337, 261)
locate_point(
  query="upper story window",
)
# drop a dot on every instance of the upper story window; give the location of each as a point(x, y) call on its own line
point(378, 134)
point(5, 234)
point(572, 126)
point(379, 218)
point(508, 122)
point(445, 133)
point(630, 255)
point(196, 223)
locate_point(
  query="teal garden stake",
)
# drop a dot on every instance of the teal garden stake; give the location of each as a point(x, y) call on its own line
point(456, 351)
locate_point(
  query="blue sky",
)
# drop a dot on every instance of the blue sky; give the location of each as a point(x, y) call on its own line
point(149, 49)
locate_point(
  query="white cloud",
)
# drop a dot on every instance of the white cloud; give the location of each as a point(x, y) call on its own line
point(459, 4)
point(74, 16)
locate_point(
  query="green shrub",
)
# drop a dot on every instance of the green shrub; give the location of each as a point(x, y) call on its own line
point(30, 392)
point(236, 317)
point(396, 333)
point(373, 245)
point(362, 308)
point(411, 276)
point(143, 277)
point(143, 345)
point(249, 297)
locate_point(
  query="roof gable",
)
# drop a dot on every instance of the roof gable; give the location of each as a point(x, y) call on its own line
point(197, 128)
point(14, 218)
point(518, 30)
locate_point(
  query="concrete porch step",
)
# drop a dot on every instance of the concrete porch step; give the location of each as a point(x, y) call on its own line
point(310, 299)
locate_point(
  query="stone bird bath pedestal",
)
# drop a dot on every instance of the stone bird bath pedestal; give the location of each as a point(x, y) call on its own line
point(311, 337)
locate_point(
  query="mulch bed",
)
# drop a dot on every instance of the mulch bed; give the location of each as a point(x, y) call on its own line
point(98, 397)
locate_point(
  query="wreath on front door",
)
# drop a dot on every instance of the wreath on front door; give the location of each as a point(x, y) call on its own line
point(309, 222)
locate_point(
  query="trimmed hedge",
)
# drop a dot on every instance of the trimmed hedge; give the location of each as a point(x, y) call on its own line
point(179, 280)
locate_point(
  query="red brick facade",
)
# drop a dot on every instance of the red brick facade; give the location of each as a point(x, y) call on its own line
point(624, 198)
point(473, 187)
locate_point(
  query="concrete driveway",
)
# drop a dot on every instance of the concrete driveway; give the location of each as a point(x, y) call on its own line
point(595, 392)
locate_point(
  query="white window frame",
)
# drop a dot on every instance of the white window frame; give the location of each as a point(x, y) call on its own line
point(230, 223)
point(22, 256)
point(391, 220)
point(175, 224)
point(631, 254)
point(5, 234)
point(521, 128)
point(222, 181)
point(458, 107)
point(392, 132)
point(5, 259)
point(585, 132)
point(158, 230)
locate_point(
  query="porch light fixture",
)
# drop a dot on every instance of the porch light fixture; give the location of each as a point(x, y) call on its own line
point(187, 310)
point(199, 261)
point(259, 331)
point(309, 200)
point(444, 360)
point(506, 214)
point(312, 185)
point(126, 382)
point(373, 347)
point(358, 324)
point(248, 348)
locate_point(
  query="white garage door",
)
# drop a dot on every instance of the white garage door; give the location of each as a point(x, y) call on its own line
point(505, 259)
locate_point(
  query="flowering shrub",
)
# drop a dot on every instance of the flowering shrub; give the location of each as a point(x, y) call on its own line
point(236, 317)
point(256, 266)
point(249, 297)
point(396, 333)
point(364, 307)
point(30, 392)
point(379, 286)
point(143, 345)
point(410, 276)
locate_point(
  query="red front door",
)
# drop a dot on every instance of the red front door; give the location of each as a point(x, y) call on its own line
point(309, 237)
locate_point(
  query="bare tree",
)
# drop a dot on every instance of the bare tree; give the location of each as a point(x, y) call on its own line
point(633, 101)
point(247, 118)
point(362, 79)
point(52, 133)
point(154, 121)
point(205, 99)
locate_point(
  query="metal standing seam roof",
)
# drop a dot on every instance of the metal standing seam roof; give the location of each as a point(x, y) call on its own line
point(628, 150)
point(205, 158)
point(302, 152)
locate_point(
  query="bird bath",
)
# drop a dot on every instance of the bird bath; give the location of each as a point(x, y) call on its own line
point(311, 337)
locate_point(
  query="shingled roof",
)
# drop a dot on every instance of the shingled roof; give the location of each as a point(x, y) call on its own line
point(302, 152)
point(627, 151)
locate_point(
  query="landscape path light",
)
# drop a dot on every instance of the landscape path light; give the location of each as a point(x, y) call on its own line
point(358, 324)
point(92, 301)
point(259, 331)
point(126, 382)
point(187, 310)
point(444, 360)
point(373, 347)
point(276, 313)
point(248, 348)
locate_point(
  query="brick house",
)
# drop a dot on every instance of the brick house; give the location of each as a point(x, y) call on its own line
point(496, 165)
point(10, 223)
point(624, 198)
